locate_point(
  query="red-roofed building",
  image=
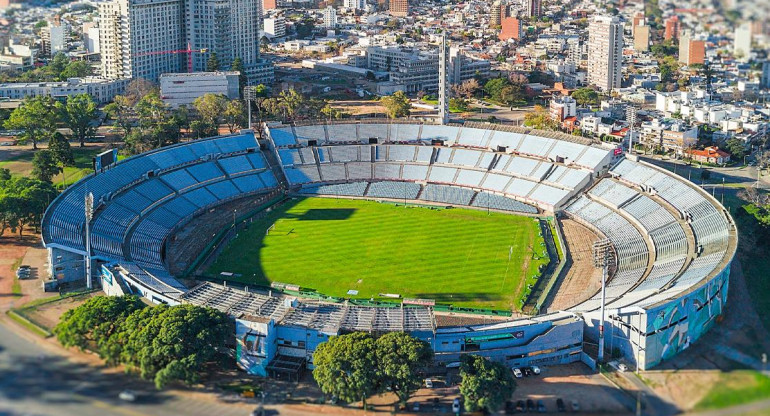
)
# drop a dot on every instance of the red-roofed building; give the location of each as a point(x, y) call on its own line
point(710, 154)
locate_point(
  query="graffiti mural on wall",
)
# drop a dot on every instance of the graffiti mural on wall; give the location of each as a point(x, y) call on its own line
point(672, 327)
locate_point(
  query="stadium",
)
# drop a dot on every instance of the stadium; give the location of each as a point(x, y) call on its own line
point(477, 238)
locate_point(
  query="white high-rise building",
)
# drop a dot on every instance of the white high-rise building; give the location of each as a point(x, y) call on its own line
point(146, 38)
point(605, 52)
point(742, 44)
point(355, 4)
point(330, 17)
point(137, 36)
point(227, 28)
point(275, 27)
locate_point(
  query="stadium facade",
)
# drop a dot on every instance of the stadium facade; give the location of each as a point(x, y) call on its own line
point(672, 243)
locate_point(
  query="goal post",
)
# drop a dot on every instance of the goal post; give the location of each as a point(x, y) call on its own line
point(269, 228)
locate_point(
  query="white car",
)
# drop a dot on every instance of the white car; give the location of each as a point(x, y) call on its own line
point(536, 369)
point(517, 373)
point(456, 406)
point(622, 367)
point(428, 383)
point(127, 396)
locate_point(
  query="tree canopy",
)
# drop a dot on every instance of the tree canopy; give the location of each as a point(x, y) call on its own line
point(36, 117)
point(399, 357)
point(397, 105)
point(162, 343)
point(540, 119)
point(78, 114)
point(355, 366)
point(586, 96)
point(22, 201)
point(485, 384)
point(345, 367)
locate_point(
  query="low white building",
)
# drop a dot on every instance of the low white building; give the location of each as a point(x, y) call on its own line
point(101, 90)
point(183, 88)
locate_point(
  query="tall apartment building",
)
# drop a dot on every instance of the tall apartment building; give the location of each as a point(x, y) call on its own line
point(605, 52)
point(533, 8)
point(399, 8)
point(641, 38)
point(355, 4)
point(133, 34)
point(742, 43)
point(330, 17)
point(691, 51)
point(143, 38)
point(495, 14)
point(765, 77)
point(275, 27)
point(672, 28)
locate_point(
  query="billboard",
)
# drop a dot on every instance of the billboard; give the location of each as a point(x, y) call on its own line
point(105, 159)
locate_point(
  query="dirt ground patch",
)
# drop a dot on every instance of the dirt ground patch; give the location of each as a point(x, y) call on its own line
point(582, 280)
point(12, 251)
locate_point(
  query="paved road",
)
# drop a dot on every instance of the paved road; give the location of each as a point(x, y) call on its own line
point(37, 380)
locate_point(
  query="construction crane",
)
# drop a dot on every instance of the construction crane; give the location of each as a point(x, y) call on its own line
point(189, 51)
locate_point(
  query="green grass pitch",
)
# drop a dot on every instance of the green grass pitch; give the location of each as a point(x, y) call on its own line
point(463, 257)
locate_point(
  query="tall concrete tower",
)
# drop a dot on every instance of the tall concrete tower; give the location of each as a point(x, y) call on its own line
point(443, 80)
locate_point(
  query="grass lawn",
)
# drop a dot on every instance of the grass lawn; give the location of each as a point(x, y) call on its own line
point(455, 256)
point(22, 164)
point(734, 388)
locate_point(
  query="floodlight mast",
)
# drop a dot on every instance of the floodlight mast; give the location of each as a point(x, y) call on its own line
point(89, 211)
point(602, 251)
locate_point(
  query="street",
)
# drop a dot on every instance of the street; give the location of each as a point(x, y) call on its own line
point(38, 380)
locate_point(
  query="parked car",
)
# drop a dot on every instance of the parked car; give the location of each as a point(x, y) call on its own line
point(536, 369)
point(527, 371)
point(520, 406)
point(575, 406)
point(428, 383)
point(530, 405)
point(456, 406)
point(128, 396)
point(416, 407)
point(622, 367)
point(510, 408)
point(540, 406)
point(560, 405)
point(516, 372)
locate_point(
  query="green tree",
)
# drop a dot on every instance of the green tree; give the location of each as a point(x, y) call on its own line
point(397, 105)
point(485, 384)
point(201, 129)
point(174, 343)
point(212, 64)
point(345, 366)
point(76, 69)
point(22, 201)
point(79, 114)
point(35, 117)
point(91, 324)
point(540, 119)
point(61, 150)
point(210, 108)
point(45, 166)
point(234, 115)
point(242, 79)
point(736, 148)
point(586, 96)
point(399, 358)
point(290, 101)
point(121, 110)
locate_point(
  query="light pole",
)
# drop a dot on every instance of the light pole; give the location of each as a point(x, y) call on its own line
point(89, 206)
point(602, 257)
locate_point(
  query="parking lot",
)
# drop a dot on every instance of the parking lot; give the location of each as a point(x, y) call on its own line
point(574, 382)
